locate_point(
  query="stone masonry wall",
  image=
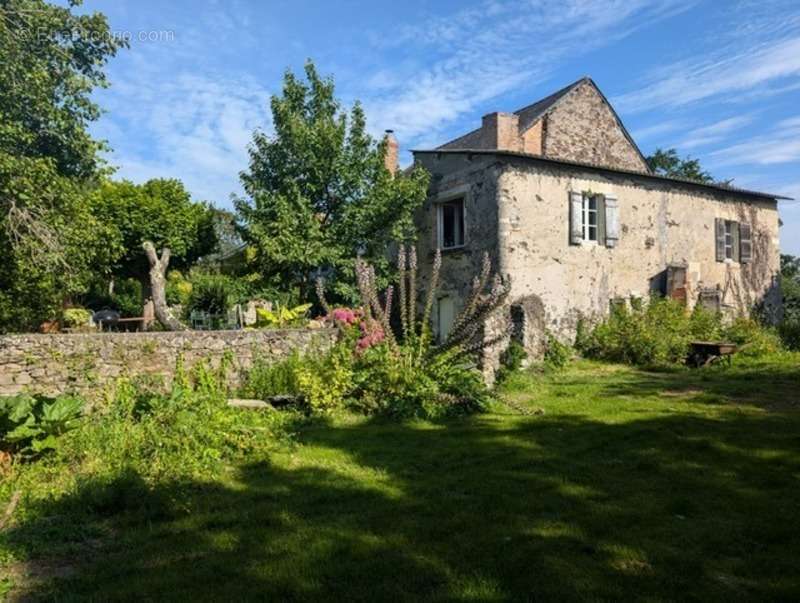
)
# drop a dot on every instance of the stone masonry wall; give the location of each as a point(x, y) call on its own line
point(582, 127)
point(88, 363)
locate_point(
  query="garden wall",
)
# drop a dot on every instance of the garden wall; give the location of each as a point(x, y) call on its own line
point(87, 363)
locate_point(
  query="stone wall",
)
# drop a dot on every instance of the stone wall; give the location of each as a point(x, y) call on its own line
point(517, 209)
point(582, 127)
point(87, 363)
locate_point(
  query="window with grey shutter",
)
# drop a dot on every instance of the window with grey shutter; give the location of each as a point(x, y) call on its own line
point(719, 234)
point(734, 251)
point(575, 218)
point(611, 221)
point(601, 219)
point(745, 243)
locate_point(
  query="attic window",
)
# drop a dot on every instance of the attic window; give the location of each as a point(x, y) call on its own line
point(451, 224)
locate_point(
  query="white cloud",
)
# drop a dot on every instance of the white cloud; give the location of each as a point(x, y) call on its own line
point(657, 129)
point(487, 51)
point(727, 73)
point(781, 145)
point(714, 132)
point(189, 126)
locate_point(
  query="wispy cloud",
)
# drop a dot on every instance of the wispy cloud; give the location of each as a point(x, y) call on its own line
point(197, 127)
point(658, 129)
point(714, 132)
point(736, 69)
point(780, 145)
point(487, 51)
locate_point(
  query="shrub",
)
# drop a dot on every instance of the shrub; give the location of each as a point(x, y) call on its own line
point(33, 424)
point(789, 331)
point(211, 293)
point(282, 316)
point(401, 371)
point(77, 317)
point(511, 360)
point(326, 381)
point(127, 297)
point(659, 333)
point(178, 289)
point(556, 354)
point(752, 338)
point(266, 379)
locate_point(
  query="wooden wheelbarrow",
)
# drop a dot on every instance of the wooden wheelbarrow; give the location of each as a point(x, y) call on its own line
point(703, 353)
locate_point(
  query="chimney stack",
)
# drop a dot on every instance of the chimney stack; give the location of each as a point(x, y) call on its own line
point(500, 131)
point(392, 152)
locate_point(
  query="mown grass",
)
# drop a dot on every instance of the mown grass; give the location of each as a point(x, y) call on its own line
point(630, 485)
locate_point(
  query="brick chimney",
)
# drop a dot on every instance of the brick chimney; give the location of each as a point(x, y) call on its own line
point(392, 151)
point(500, 131)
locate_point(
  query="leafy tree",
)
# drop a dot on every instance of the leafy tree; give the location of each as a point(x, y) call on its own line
point(318, 192)
point(50, 61)
point(160, 211)
point(668, 163)
point(790, 286)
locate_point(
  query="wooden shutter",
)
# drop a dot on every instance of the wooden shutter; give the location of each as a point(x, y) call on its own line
point(719, 234)
point(576, 218)
point(611, 215)
point(745, 244)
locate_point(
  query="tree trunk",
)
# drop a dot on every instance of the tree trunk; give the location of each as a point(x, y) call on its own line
point(158, 279)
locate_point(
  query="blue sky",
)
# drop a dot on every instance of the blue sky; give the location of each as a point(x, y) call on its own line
point(715, 79)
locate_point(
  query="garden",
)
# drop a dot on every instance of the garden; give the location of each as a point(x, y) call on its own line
point(386, 465)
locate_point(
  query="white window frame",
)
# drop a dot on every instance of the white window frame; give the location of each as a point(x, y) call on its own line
point(585, 212)
point(460, 198)
point(729, 240)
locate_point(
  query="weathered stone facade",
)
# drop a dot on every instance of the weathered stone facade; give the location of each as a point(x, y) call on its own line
point(575, 124)
point(531, 182)
point(87, 363)
point(516, 208)
point(583, 127)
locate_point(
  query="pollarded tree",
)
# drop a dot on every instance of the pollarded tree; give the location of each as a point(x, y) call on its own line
point(318, 191)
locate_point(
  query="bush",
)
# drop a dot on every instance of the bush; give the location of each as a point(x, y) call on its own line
point(511, 360)
point(789, 331)
point(127, 297)
point(32, 424)
point(397, 368)
point(77, 317)
point(178, 289)
point(556, 354)
point(212, 293)
point(659, 333)
point(752, 338)
point(267, 379)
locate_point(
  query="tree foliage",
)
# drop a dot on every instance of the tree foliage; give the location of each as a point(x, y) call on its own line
point(160, 211)
point(669, 163)
point(318, 193)
point(50, 61)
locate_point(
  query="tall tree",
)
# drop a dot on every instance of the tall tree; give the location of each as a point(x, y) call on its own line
point(160, 211)
point(318, 192)
point(50, 61)
point(669, 163)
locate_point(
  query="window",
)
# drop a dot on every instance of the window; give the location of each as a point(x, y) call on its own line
point(589, 213)
point(451, 224)
point(733, 241)
point(729, 239)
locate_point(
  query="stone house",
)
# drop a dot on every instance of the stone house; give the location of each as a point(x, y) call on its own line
point(563, 201)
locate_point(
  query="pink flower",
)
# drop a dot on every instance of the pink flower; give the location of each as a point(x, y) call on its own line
point(344, 315)
point(371, 334)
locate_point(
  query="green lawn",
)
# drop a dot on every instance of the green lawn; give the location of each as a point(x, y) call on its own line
point(629, 485)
